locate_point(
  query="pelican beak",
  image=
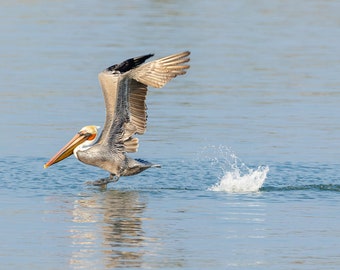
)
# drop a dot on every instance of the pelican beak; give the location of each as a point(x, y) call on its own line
point(67, 150)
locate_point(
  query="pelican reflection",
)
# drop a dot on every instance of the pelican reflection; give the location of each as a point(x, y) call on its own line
point(107, 230)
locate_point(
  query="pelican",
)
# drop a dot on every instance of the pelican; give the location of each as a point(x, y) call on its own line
point(124, 88)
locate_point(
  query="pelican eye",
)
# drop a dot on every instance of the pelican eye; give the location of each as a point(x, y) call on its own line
point(91, 136)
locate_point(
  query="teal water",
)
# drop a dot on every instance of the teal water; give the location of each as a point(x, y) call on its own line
point(248, 140)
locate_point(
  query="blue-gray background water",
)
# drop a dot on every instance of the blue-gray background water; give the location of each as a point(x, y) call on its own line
point(262, 93)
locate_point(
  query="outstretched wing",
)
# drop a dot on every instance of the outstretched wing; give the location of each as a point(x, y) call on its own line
point(156, 73)
point(125, 88)
point(115, 95)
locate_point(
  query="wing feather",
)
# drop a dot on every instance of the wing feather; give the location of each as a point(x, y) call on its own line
point(110, 89)
point(158, 72)
point(137, 106)
point(125, 94)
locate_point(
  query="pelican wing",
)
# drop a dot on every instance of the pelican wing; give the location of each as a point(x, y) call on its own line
point(125, 87)
point(115, 96)
point(157, 73)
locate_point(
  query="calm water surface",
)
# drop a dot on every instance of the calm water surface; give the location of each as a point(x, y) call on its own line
point(263, 93)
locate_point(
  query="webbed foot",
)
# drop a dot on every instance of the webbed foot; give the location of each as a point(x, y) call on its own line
point(102, 182)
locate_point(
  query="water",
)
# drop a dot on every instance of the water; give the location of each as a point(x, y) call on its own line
point(248, 140)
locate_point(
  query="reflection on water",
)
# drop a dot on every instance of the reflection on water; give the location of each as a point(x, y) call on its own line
point(264, 81)
point(116, 231)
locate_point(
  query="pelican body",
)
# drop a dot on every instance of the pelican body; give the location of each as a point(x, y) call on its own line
point(124, 89)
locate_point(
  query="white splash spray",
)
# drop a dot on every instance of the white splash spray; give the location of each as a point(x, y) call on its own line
point(236, 176)
point(235, 181)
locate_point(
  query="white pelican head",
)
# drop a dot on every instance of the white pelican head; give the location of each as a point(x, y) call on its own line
point(83, 140)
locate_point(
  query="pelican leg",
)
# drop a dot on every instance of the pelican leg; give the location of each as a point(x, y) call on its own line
point(102, 182)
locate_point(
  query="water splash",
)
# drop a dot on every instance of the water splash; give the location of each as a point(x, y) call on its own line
point(236, 181)
point(236, 176)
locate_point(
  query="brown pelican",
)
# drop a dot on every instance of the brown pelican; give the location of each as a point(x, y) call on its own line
point(124, 88)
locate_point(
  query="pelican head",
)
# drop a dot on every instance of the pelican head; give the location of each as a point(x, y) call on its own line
point(84, 139)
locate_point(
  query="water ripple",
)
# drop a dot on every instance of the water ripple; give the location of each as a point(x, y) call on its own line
point(313, 187)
